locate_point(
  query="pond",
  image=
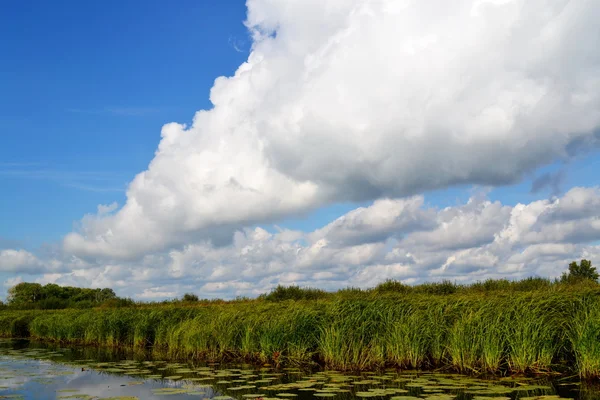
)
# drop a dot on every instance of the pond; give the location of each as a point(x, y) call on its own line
point(30, 370)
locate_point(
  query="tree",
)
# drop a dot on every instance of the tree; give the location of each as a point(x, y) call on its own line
point(53, 296)
point(107, 294)
point(580, 272)
point(190, 297)
point(24, 293)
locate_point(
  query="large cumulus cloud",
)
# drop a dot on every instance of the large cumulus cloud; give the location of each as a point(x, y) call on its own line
point(354, 100)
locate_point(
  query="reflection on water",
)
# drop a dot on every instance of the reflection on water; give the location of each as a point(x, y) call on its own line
point(35, 371)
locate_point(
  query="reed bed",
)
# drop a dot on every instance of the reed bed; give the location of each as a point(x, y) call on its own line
point(503, 331)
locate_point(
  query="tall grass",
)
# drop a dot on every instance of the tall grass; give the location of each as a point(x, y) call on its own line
point(349, 338)
point(584, 336)
point(534, 332)
point(407, 338)
point(526, 327)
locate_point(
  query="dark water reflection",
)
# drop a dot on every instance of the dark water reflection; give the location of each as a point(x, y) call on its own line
point(36, 371)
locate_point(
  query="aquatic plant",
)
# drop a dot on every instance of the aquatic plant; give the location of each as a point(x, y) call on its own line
point(504, 329)
point(584, 336)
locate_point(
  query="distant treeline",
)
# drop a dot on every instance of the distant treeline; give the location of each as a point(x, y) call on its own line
point(25, 296)
point(582, 273)
point(51, 296)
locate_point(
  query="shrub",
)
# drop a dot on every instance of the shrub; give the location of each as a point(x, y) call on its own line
point(391, 285)
point(444, 287)
point(281, 293)
point(190, 297)
point(580, 272)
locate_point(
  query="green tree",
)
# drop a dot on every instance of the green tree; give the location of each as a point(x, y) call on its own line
point(24, 293)
point(190, 297)
point(53, 290)
point(107, 294)
point(580, 272)
point(53, 296)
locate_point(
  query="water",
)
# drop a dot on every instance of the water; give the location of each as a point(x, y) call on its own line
point(36, 371)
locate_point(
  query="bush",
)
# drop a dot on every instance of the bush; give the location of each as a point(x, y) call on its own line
point(190, 297)
point(281, 293)
point(580, 272)
point(118, 303)
point(443, 288)
point(531, 283)
point(391, 285)
point(52, 304)
point(20, 326)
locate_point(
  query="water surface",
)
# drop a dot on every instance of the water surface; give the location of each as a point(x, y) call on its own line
point(31, 370)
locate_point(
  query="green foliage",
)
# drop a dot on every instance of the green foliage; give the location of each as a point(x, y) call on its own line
point(444, 287)
point(493, 326)
point(24, 293)
point(118, 302)
point(516, 331)
point(525, 285)
point(15, 324)
point(580, 272)
point(584, 336)
point(535, 333)
point(531, 283)
point(408, 336)
point(392, 286)
point(447, 288)
point(52, 296)
point(282, 293)
point(190, 297)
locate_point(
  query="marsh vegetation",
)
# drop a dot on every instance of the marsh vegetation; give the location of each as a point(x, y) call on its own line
point(494, 327)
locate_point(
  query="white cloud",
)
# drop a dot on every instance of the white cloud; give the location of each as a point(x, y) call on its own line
point(474, 224)
point(19, 261)
point(10, 282)
point(107, 209)
point(574, 218)
point(468, 242)
point(377, 222)
point(347, 100)
point(579, 202)
point(156, 294)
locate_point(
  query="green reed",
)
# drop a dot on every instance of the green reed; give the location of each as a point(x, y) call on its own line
point(584, 336)
point(502, 330)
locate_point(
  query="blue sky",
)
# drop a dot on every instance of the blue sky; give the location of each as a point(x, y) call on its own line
point(86, 87)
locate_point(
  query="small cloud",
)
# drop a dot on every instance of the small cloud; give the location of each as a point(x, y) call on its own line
point(107, 209)
point(19, 261)
point(156, 293)
point(237, 44)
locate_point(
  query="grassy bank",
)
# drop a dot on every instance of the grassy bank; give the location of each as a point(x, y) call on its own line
point(499, 331)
